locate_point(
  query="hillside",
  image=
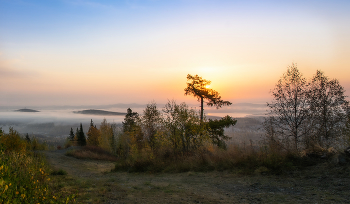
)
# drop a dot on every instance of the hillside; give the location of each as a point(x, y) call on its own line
point(98, 112)
point(26, 110)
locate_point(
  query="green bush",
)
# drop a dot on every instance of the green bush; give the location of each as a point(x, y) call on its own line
point(24, 175)
point(24, 179)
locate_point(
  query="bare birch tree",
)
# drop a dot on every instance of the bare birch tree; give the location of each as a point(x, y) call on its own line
point(289, 108)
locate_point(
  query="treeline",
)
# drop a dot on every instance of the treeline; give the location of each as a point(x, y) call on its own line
point(13, 142)
point(175, 130)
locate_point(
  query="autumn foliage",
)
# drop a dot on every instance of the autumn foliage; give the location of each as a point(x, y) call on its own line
point(25, 176)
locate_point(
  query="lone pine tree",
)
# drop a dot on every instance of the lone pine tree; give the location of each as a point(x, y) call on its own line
point(198, 87)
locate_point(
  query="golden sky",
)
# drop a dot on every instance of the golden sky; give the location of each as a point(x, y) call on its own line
point(80, 52)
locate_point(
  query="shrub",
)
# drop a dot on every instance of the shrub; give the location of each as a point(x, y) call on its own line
point(25, 180)
point(68, 143)
point(240, 159)
point(36, 145)
point(92, 152)
point(13, 142)
point(24, 177)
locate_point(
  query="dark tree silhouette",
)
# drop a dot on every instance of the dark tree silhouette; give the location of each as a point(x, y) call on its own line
point(198, 88)
point(217, 132)
point(76, 134)
point(81, 136)
point(91, 123)
point(71, 135)
point(130, 120)
point(27, 138)
point(131, 128)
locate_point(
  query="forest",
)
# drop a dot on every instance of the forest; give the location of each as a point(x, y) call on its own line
point(307, 123)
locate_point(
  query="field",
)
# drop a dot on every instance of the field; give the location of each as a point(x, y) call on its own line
point(95, 183)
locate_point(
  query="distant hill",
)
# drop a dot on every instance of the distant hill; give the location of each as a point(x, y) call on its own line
point(98, 112)
point(26, 110)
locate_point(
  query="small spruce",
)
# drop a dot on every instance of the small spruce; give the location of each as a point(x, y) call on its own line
point(81, 136)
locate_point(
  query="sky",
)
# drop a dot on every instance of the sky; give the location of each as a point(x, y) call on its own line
point(90, 52)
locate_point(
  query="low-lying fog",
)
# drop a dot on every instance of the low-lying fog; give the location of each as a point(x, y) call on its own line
point(53, 123)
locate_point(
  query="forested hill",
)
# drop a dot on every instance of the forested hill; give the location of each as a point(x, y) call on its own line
point(26, 110)
point(98, 112)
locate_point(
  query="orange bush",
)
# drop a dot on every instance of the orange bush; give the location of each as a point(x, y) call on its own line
point(12, 141)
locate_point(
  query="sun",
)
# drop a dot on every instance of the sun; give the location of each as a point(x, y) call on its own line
point(215, 74)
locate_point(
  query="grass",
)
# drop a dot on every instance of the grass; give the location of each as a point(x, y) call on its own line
point(58, 172)
point(92, 152)
point(206, 187)
point(239, 159)
point(199, 186)
point(247, 160)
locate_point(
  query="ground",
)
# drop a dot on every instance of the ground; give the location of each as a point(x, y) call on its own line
point(96, 183)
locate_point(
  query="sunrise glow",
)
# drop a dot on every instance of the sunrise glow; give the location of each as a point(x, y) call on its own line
point(106, 52)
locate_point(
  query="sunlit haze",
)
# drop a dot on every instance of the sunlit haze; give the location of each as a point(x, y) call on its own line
point(89, 52)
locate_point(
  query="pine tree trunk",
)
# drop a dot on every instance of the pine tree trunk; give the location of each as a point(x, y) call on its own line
point(202, 109)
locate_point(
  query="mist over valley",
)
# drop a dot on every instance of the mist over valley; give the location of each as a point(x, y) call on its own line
point(52, 123)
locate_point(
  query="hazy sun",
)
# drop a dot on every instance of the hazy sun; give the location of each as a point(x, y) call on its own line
point(206, 69)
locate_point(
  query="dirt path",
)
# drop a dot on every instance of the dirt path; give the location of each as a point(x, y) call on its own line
point(98, 185)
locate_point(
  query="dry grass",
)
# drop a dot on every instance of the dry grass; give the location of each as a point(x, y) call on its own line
point(312, 185)
point(239, 159)
point(95, 183)
point(92, 152)
point(246, 160)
